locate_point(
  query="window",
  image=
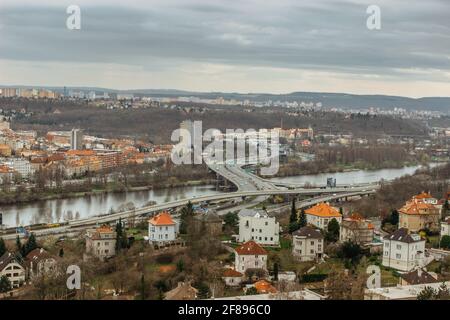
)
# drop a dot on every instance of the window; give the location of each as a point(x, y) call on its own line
point(253, 230)
point(311, 251)
point(106, 243)
point(271, 238)
point(399, 247)
point(398, 256)
point(386, 253)
point(312, 243)
point(260, 230)
point(265, 238)
point(267, 223)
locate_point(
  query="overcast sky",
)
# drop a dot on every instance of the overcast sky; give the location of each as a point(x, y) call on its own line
point(274, 46)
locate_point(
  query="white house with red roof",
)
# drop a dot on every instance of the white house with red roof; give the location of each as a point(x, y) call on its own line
point(250, 255)
point(321, 214)
point(162, 228)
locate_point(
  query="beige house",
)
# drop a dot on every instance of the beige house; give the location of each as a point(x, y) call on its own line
point(421, 212)
point(101, 242)
point(356, 229)
point(250, 255)
point(307, 244)
point(11, 267)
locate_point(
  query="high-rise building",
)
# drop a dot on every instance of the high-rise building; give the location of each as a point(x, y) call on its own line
point(76, 139)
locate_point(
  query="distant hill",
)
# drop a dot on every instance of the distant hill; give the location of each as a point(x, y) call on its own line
point(328, 100)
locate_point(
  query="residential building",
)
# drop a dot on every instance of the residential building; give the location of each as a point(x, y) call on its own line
point(5, 150)
point(232, 278)
point(321, 214)
point(256, 225)
point(250, 255)
point(208, 222)
point(162, 228)
point(403, 250)
point(39, 262)
point(76, 139)
point(445, 227)
point(417, 276)
point(356, 229)
point(307, 244)
point(20, 165)
point(12, 267)
point(421, 212)
point(183, 291)
point(101, 242)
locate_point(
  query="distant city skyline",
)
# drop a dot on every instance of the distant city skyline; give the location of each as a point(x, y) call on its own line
point(229, 46)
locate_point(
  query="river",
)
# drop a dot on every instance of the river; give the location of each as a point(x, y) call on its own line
point(60, 210)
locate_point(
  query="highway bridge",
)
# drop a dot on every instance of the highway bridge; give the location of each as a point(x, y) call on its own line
point(324, 195)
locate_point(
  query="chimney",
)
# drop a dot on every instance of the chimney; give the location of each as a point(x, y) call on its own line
point(419, 272)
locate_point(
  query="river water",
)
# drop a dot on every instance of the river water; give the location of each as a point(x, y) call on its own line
point(53, 211)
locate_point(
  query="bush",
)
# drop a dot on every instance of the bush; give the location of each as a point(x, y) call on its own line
point(164, 258)
point(312, 277)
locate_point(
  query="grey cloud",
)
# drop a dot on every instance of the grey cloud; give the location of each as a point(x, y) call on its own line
point(326, 35)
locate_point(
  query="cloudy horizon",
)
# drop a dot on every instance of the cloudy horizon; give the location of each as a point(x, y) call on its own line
point(229, 46)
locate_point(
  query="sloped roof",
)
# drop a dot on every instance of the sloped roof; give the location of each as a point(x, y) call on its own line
point(418, 276)
point(162, 219)
point(323, 210)
point(416, 207)
point(231, 273)
point(250, 248)
point(252, 213)
point(7, 258)
point(308, 232)
point(263, 286)
point(403, 235)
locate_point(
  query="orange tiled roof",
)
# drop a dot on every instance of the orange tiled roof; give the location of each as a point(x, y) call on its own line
point(162, 219)
point(263, 286)
point(423, 195)
point(415, 207)
point(80, 153)
point(323, 210)
point(104, 229)
point(250, 248)
point(232, 273)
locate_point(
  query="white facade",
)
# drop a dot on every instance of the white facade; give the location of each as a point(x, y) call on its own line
point(403, 251)
point(244, 262)
point(445, 228)
point(307, 244)
point(320, 222)
point(256, 225)
point(12, 269)
point(20, 165)
point(162, 229)
point(161, 233)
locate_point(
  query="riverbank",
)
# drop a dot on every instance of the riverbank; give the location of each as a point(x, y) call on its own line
point(28, 196)
point(297, 168)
